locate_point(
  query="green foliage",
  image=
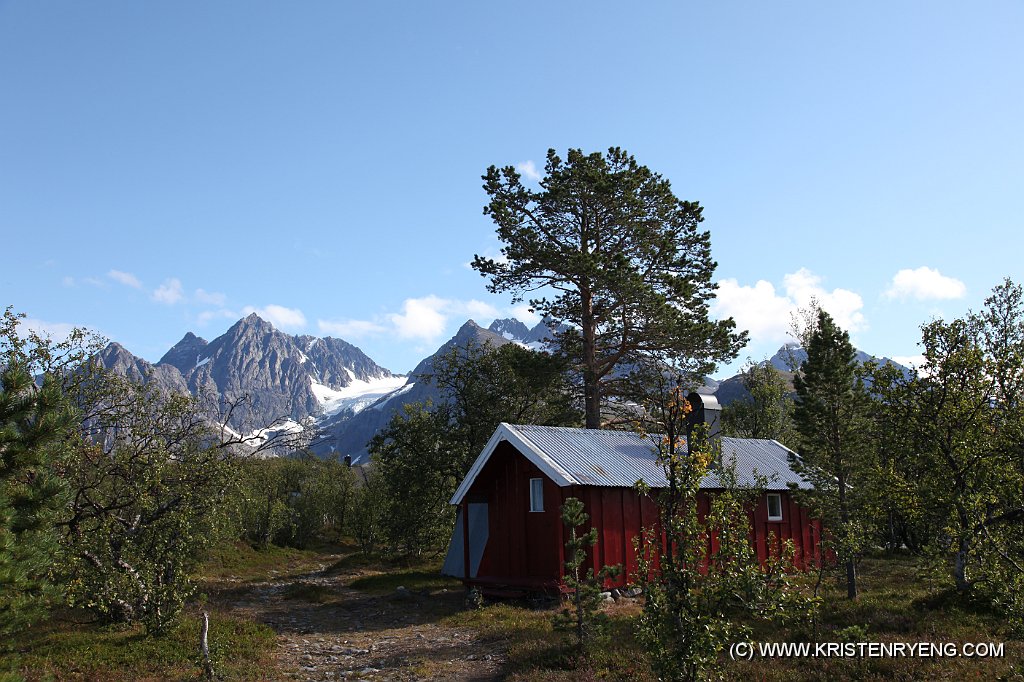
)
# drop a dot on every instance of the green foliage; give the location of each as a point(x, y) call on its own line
point(962, 417)
point(767, 412)
point(894, 479)
point(35, 425)
point(148, 494)
point(704, 585)
point(832, 416)
point(631, 269)
point(484, 385)
point(369, 510)
point(413, 455)
point(582, 616)
point(65, 359)
point(293, 501)
point(426, 450)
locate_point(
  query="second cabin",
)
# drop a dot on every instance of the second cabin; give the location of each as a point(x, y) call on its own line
point(509, 534)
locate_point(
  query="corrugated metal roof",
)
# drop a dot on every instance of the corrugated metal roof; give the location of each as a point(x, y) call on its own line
point(621, 458)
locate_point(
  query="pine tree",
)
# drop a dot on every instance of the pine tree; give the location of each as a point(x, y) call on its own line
point(34, 423)
point(582, 615)
point(832, 417)
point(629, 266)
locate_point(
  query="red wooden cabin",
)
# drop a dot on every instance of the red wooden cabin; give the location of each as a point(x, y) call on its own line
point(509, 503)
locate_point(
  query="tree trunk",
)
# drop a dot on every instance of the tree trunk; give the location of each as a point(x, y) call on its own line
point(960, 568)
point(844, 518)
point(204, 646)
point(591, 390)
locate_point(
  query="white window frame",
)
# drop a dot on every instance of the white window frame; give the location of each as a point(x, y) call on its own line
point(768, 501)
point(536, 494)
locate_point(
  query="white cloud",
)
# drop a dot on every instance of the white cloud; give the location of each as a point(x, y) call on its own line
point(924, 284)
point(207, 315)
point(170, 292)
point(912, 361)
point(210, 297)
point(350, 329)
point(68, 281)
point(279, 316)
point(421, 318)
point(525, 315)
point(125, 278)
point(426, 318)
point(529, 170)
point(757, 309)
point(58, 331)
point(842, 304)
point(766, 313)
point(473, 308)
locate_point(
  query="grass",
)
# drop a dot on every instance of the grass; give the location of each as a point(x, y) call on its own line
point(414, 580)
point(536, 651)
point(65, 648)
point(62, 649)
point(900, 602)
point(240, 561)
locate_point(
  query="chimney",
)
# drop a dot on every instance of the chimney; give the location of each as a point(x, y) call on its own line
point(705, 411)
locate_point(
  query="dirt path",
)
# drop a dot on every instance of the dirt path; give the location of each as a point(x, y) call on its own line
point(328, 631)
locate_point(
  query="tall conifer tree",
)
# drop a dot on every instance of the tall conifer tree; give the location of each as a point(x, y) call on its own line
point(625, 260)
point(33, 423)
point(831, 416)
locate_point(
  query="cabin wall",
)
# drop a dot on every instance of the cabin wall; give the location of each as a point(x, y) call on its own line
point(620, 515)
point(523, 547)
point(528, 548)
point(796, 525)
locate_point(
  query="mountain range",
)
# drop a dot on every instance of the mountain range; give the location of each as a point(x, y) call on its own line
point(277, 383)
point(325, 389)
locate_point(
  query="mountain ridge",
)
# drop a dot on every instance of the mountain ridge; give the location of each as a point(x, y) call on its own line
point(329, 388)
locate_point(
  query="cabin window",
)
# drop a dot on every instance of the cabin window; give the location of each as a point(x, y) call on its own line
point(774, 507)
point(536, 494)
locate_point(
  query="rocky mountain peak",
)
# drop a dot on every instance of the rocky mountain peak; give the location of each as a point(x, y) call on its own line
point(185, 354)
point(511, 328)
point(250, 325)
point(120, 360)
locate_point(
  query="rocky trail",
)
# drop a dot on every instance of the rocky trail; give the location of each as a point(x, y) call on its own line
point(327, 630)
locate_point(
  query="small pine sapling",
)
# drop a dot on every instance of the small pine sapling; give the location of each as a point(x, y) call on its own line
point(582, 615)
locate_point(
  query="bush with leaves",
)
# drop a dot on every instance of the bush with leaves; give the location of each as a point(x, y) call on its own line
point(369, 509)
point(962, 420)
point(148, 495)
point(700, 599)
point(767, 412)
point(412, 456)
point(293, 501)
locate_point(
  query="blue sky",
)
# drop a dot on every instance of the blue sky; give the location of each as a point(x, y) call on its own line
point(167, 167)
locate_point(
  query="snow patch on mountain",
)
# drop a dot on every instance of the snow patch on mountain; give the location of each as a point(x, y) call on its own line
point(401, 391)
point(357, 396)
point(283, 426)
